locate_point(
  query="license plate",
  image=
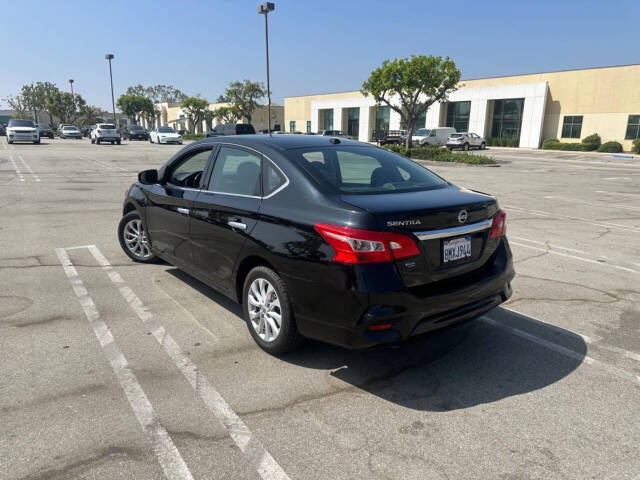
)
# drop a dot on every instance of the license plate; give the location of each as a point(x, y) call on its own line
point(456, 249)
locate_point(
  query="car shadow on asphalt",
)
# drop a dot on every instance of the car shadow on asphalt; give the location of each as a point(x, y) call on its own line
point(456, 368)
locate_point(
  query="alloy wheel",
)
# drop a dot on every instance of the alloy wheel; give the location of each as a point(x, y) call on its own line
point(135, 239)
point(265, 312)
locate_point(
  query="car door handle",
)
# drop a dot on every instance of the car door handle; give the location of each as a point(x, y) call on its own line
point(184, 211)
point(238, 225)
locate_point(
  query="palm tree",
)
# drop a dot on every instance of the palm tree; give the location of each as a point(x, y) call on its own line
point(90, 115)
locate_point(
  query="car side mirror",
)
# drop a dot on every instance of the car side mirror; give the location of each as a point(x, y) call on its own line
point(148, 177)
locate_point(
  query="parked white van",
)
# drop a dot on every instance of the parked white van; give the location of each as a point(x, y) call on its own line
point(432, 136)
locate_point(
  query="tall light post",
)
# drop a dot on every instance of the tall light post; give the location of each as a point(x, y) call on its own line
point(264, 9)
point(109, 56)
point(73, 97)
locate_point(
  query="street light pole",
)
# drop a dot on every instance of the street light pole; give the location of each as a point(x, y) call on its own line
point(72, 95)
point(264, 9)
point(109, 56)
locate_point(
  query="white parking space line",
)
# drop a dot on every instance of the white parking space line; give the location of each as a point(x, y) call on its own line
point(585, 202)
point(618, 194)
point(257, 456)
point(15, 167)
point(567, 352)
point(166, 452)
point(576, 257)
point(550, 245)
point(29, 169)
point(595, 340)
point(616, 226)
point(183, 308)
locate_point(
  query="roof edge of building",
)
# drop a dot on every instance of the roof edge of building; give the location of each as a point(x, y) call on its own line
point(487, 78)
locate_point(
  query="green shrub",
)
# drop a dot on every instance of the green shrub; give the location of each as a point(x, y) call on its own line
point(635, 146)
point(550, 144)
point(398, 148)
point(572, 147)
point(192, 136)
point(440, 154)
point(610, 147)
point(592, 142)
point(426, 152)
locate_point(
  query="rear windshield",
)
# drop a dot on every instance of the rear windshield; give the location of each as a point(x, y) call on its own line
point(20, 123)
point(70, 128)
point(364, 170)
point(457, 135)
point(107, 126)
point(166, 130)
point(135, 127)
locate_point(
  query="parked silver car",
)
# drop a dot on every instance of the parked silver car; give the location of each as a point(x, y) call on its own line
point(465, 141)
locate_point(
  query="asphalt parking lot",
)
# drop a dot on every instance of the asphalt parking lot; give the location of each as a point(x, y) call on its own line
point(110, 369)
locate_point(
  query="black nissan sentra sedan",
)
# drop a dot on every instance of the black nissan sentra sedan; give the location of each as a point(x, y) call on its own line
point(321, 237)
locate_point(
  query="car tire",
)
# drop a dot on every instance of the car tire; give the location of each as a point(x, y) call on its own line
point(119, 142)
point(36, 142)
point(98, 141)
point(483, 146)
point(131, 225)
point(267, 288)
point(93, 140)
point(465, 147)
point(150, 141)
point(9, 142)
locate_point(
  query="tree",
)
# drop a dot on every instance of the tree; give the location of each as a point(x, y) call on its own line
point(194, 107)
point(136, 90)
point(17, 103)
point(65, 106)
point(244, 97)
point(227, 114)
point(209, 116)
point(410, 86)
point(135, 106)
point(90, 115)
point(165, 93)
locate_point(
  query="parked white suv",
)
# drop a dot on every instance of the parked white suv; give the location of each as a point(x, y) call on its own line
point(465, 141)
point(432, 136)
point(105, 132)
point(22, 131)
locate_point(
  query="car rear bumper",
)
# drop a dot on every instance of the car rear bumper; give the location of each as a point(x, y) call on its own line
point(344, 318)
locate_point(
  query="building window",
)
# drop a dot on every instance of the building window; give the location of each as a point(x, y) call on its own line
point(458, 116)
point(572, 126)
point(327, 119)
point(353, 122)
point(308, 126)
point(421, 122)
point(507, 118)
point(633, 127)
point(292, 126)
point(382, 118)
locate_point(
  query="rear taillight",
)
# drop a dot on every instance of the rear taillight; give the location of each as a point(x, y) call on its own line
point(499, 225)
point(353, 245)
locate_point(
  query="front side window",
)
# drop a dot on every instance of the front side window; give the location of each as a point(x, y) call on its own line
point(572, 126)
point(189, 170)
point(364, 170)
point(236, 172)
point(633, 127)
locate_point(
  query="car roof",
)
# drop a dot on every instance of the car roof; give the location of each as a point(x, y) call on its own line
point(281, 142)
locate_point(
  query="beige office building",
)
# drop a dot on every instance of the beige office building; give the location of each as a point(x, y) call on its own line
point(172, 115)
point(567, 105)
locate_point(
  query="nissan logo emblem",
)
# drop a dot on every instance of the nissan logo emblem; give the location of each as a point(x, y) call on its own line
point(462, 216)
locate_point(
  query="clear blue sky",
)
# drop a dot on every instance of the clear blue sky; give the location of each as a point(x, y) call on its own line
point(316, 46)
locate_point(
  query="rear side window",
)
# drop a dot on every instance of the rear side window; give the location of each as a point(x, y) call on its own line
point(364, 170)
point(273, 178)
point(236, 172)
